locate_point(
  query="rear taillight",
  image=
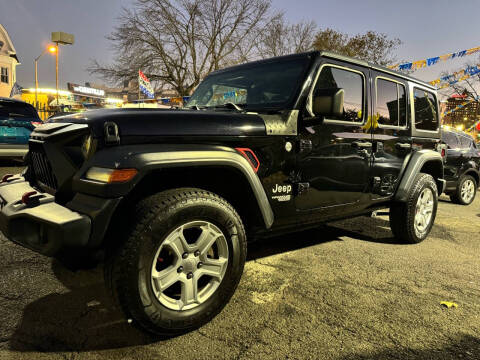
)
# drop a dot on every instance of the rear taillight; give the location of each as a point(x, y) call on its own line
point(443, 152)
point(36, 123)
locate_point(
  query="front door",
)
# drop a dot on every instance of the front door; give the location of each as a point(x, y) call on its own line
point(333, 163)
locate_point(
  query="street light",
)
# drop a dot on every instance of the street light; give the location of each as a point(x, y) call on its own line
point(62, 38)
point(51, 49)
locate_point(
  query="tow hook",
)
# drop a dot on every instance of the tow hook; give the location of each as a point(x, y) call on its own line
point(31, 198)
point(6, 177)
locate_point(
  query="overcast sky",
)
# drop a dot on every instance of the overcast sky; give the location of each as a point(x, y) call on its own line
point(427, 28)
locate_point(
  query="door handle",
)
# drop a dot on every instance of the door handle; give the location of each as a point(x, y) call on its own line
point(362, 145)
point(403, 146)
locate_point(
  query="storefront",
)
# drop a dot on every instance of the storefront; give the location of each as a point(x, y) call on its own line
point(47, 101)
point(89, 97)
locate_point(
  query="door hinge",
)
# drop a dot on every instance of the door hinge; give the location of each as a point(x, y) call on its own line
point(302, 187)
point(305, 145)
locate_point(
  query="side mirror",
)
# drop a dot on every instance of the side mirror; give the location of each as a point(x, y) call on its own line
point(328, 102)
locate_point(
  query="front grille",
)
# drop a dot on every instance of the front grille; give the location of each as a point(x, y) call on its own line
point(42, 169)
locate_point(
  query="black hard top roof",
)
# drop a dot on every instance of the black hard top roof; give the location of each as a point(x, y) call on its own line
point(332, 55)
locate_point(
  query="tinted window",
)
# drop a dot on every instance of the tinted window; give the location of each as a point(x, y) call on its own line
point(425, 110)
point(261, 85)
point(391, 103)
point(465, 142)
point(17, 111)
point(450, 139)
point(351, 83)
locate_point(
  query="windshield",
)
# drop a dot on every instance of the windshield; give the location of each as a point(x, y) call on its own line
point(17, 111)
point(263, 85)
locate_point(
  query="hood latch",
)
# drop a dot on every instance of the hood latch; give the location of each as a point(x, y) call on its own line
point(111, 133)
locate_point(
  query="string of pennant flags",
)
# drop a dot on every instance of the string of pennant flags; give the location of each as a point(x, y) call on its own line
point(449, 80)
point(434, 60)
point(460, 106)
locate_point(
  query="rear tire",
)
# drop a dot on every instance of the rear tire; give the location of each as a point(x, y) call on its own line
point(411, 221)
point(465, 192)
point(181, 262)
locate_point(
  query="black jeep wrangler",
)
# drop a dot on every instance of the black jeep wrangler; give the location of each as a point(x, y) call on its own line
point(171, 196)
point(462, 166)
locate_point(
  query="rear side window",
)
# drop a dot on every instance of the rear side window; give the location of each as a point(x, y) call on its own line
point(352, 83)
point(17, 111)
point(451, 140)
point(391, 103)
point(425, 104)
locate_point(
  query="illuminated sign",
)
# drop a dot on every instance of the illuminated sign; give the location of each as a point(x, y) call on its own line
point(86, 90)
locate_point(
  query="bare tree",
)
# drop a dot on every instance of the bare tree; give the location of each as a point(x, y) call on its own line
point(371, 46)
point(282, 38)
point(178, 42)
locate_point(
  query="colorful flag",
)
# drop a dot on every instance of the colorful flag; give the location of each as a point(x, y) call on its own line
point(16, 90)
point(145, 86)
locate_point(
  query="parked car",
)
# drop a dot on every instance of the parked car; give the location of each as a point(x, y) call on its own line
point(171, 196)
point(462, 166)
point(17, 120)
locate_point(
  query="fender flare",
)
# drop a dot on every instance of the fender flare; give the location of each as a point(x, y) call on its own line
point(412, 167)
point(146, 158)
point(469, 171)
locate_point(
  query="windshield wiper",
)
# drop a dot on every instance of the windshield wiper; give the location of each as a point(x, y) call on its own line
point(195, 107)
point(230, 105)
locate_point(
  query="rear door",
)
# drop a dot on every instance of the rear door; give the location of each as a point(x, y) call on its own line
point(390, 132)
point(16, 122)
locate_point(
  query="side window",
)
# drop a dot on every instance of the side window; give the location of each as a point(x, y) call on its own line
point(352, 83)
point(465, 142)
point(451, 140)
point(425, 104)
point(391, 103)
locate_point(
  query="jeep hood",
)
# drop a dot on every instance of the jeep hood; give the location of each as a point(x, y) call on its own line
point(159, 122)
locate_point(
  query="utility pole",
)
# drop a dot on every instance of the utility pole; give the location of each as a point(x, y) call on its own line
point(52, 49)
point(56, 71)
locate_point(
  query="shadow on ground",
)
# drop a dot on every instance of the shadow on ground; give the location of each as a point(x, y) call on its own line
point(464, 347)
point(83, 318)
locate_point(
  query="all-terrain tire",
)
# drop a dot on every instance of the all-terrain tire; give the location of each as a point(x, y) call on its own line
point(403, 214)
point(128, 269)
point(457, 197)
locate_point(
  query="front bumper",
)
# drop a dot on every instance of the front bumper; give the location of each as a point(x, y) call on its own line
point(43, 225)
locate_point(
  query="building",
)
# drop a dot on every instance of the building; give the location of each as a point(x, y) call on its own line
point(8, 63)
point(464, 117)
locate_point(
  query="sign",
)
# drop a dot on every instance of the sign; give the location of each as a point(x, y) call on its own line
point(62, 38)
point(85, 90)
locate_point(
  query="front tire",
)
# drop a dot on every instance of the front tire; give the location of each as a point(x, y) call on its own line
point(466, 191)
point(411, 221)
point(181, 263)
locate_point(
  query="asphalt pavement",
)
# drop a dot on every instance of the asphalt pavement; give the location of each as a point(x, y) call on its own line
point(347, 290)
